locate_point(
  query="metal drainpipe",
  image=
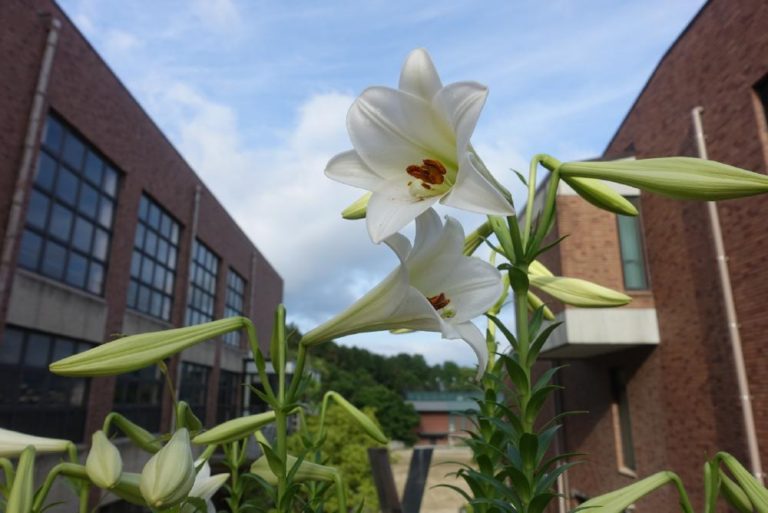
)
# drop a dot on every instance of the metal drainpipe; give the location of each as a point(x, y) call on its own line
point(193, 236)
point(28, 157)
point(730, 312)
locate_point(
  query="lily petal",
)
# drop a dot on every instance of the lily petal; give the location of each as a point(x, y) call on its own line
point(392, 130)
point(383, 220)
point(460, 105)
point(419, 76)
point(474, 337)
point(433, 260)
point(349, 168)
point(474, 287)
point(474, 193)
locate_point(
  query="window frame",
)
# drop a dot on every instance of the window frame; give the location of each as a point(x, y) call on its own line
point(232, 295)
point(204, 266)
point(626, 457)
point(639, 234)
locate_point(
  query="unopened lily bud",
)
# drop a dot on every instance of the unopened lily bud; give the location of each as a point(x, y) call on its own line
point(535, 302)
point(169, 475)
point(103, 464)
point(22, 495)
point(12, 443)
point(536, 268)
point(577, 292)
point(234, 429)
point(476, 238)
point(677, 177)
point(365, 422)
point(357, 210)
point(135, 433)
point(127, 488)
point(307, 471)
point(600, 195)
point(138, 351)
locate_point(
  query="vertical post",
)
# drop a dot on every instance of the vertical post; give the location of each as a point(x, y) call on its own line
point(417, 479)
point(382, 478)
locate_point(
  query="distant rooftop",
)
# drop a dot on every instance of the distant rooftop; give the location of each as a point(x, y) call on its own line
point(443, 401)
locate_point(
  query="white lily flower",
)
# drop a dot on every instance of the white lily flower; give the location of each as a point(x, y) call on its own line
point(411, 149)
point(12, 443)
point(435, 288)
point(205, 487)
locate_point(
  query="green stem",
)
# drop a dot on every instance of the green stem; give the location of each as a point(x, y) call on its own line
point(531, 195)
point(523, 341)
point(298, 372)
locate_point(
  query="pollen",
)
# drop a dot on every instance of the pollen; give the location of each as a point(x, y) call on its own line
point(430, 172)
point(439, 301)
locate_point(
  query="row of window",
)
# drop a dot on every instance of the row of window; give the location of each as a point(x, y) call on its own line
point(69, 226)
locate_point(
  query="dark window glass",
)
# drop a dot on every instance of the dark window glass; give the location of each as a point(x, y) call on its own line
point(202, 284)
point(228, 405)
point(623, 421)
point(632, 251)
point(194, 387)
point(46, 172)
point(69, 199)
point(234, 304)
point(151, 266)
point(138, 397)
point(33, 400)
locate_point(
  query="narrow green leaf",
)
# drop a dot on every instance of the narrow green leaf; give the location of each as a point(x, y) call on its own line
point(734, 495)
point(529, 449)
point(757, 493)
point(540, 340)
point(517, 375)
point(619, 500)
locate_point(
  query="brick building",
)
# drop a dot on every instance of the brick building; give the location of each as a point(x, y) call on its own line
point(105, 230)
point(659, 376)
point(442, 416)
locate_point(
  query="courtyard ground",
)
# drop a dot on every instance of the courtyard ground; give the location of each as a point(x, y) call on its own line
point(441, 499)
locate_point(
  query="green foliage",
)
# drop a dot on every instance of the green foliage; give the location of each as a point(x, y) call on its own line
point(346, 448)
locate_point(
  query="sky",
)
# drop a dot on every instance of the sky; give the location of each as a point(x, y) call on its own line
point(254, 95)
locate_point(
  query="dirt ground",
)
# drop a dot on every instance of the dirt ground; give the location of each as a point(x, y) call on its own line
point(436, 500)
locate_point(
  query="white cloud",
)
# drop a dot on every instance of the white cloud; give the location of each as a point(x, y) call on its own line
point(219, 15)
point(116, 41)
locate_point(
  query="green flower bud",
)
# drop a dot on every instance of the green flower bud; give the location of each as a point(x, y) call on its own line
point(601, 196)
point(137, 351)
point(103, 464)
point(127, 488)
point(677, 177)
point(22, 495)
point(357, 210)
point(476, 238)
point(12, 443)
point(365, 422)
point(576, 292)
point(535, 302)
point(234, 429)
point(307, 471)
point(135, 433)
point(169, 475)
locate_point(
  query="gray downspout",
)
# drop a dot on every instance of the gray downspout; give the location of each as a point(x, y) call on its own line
point(730, 312)
point(28, 158)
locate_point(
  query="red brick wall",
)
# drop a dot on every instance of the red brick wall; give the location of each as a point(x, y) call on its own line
point(683, 395)
point(85, 92)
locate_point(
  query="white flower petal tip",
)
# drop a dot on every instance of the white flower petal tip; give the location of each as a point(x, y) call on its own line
point(435, 288)
point(410, 147)
point(12, 443)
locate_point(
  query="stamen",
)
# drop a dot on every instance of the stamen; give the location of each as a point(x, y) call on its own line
point(439, 301)
point(430, 172)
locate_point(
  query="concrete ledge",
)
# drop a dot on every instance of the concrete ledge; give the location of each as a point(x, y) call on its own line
point(594, 331)
point(39, 303)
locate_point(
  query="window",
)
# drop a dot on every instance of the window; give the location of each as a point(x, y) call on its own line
point(229, 396)
point(622, 423)
point(194, 387)
point(235, 304)
point(153, 264)
point(32, 399)
point(71, 207)
point(202, 284)
point(138, 396)
point(761, 89)
point(632, 250)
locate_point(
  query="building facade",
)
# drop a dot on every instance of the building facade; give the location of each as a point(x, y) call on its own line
point(105, 231)
point(442, 416)
point(658, 377)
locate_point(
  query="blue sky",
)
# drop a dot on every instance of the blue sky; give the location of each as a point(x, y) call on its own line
point(254, 94)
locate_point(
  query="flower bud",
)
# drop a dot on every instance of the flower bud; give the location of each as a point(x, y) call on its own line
point(169, 475)
point(234, 429)
point(476, 238)
point(103, 464)
point(135, 433)
point(21, 496)
point(138, 351)
point(365, 422)
point(535, 302)
point(677, 177)
point(577, 292)
point(357, 210)
point(601, 196)
point(12, 443)
point(307, 471)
